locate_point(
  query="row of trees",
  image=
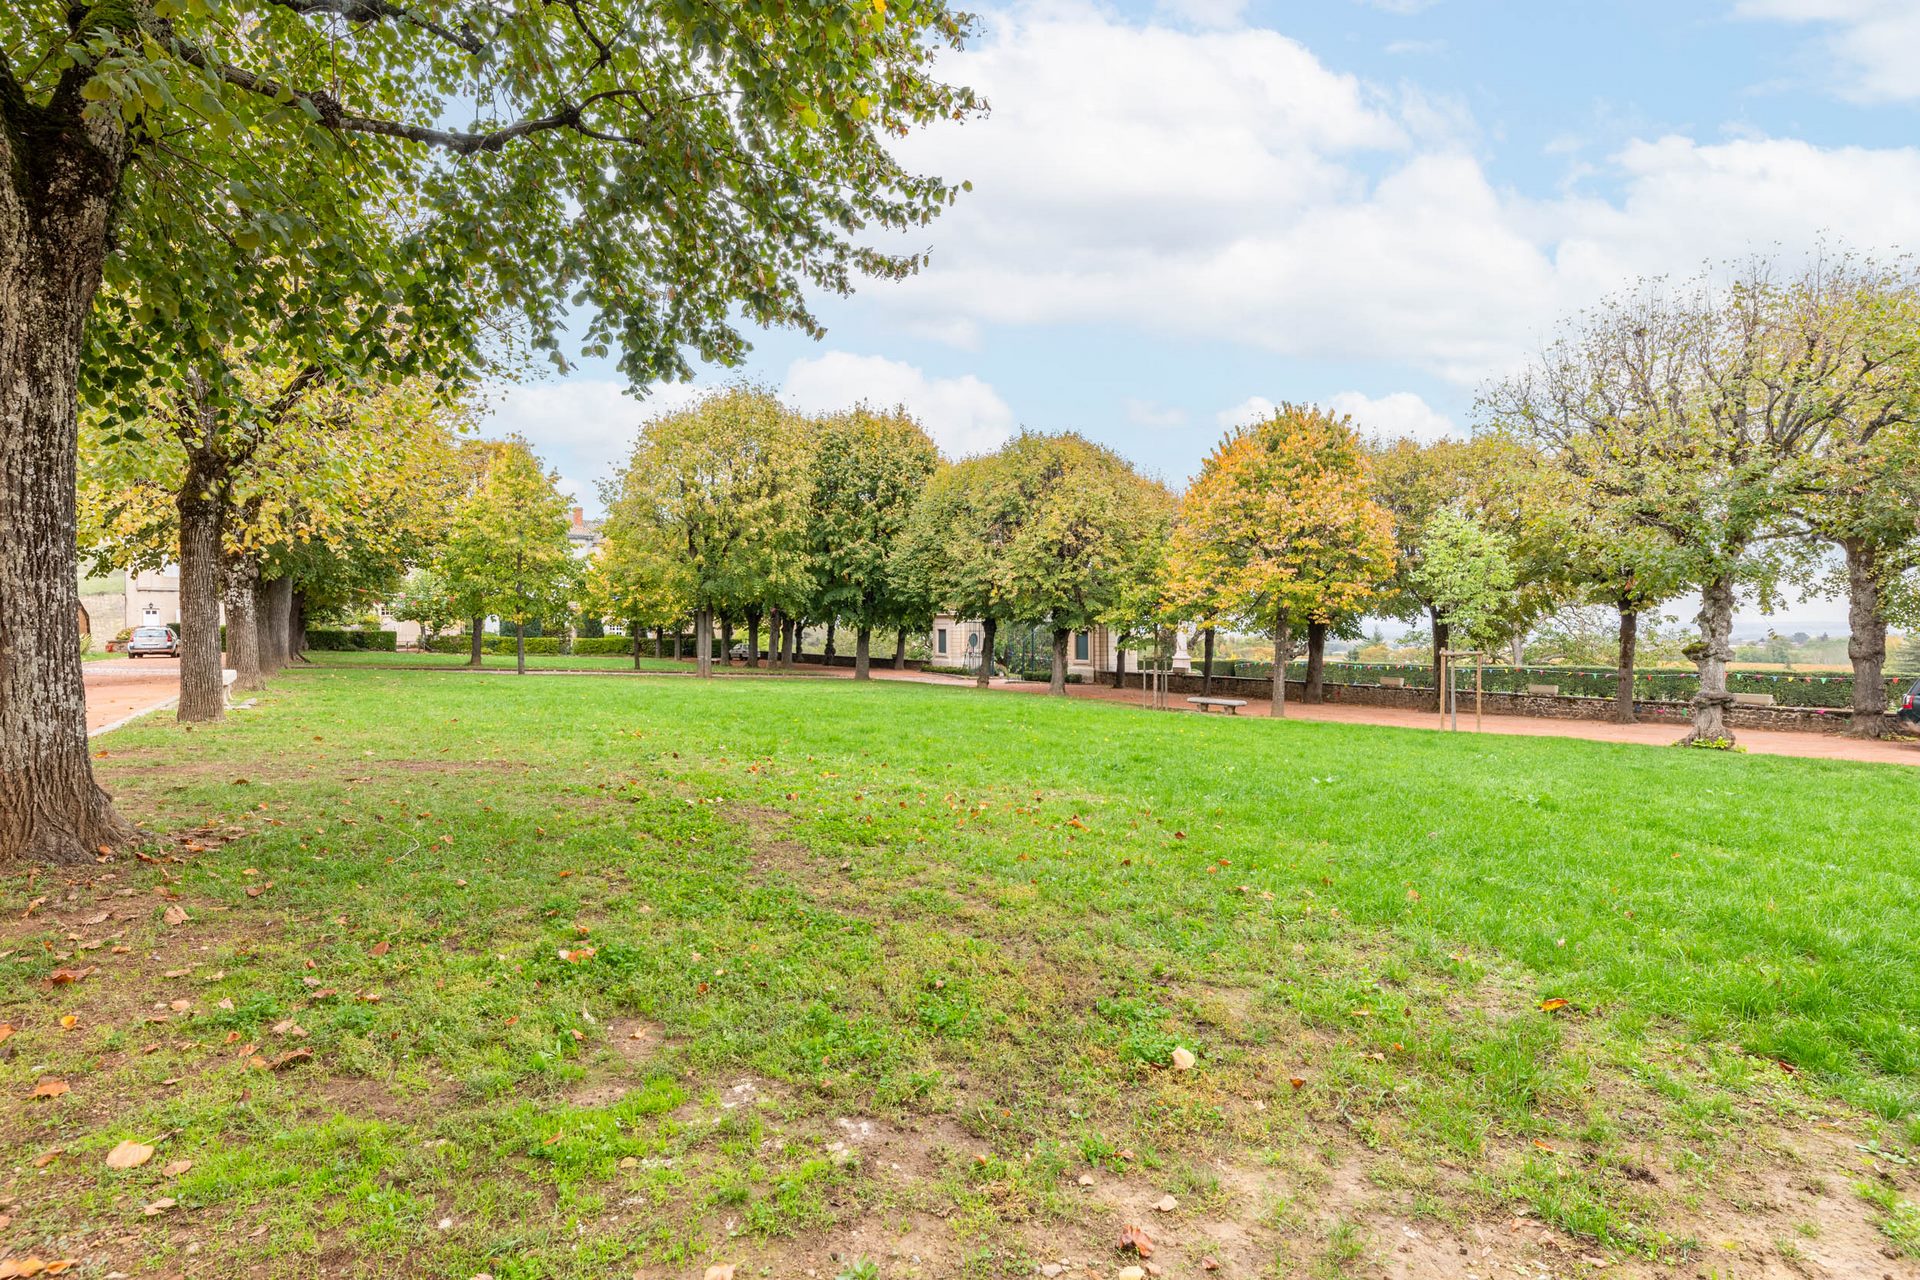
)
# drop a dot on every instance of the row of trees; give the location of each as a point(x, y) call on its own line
point(375, 190)
point(737, 509)
point(305, 494)
point(1715, 438)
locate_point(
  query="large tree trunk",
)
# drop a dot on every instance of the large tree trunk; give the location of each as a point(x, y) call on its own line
point(753, 639)
point(276, 611)
point(703, 641)
point(1440, 637)
point(1316, 661)
point(726, 640)
point(479, 649)
point(1623, 682)
point(900, 650)
point(862, 652)
point(678, 653)
point(660, 643)
point(984, 676)
point(297, 627)
point(1282, 650)
point(55, 202)
point(776, 637)
point(1057, 681)
point(638, 633)
point(1711, 700)
point(1866, 641)
point(243, 629)
point(1206, 665)
point(199, 505)
point(1119, 659)
point(828, 651)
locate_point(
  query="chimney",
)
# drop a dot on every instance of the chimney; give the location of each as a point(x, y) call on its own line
point(579, 518)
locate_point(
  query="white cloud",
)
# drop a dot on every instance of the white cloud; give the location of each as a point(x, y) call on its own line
point(1229, 186)
point(582, 427)
point(963, 415)
point(1399, 415)
point(1873, 45)
point(1146, 413)
point(1252, 409)
point(1204, 13)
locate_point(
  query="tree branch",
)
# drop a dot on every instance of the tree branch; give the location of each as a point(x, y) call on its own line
point(381, 10)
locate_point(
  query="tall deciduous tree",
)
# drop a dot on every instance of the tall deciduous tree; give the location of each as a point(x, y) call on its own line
point(868, 471)
point(509, 546)
point(1279, 528)
point(954, 553)
point(724, 483)
point(1695, 412)
point(1082, 512)
point(663, 169)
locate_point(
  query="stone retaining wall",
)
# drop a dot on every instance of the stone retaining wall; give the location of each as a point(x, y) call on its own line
point(1548, 706)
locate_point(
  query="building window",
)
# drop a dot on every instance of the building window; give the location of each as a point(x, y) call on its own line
point(940, 640)
point(1080, 646)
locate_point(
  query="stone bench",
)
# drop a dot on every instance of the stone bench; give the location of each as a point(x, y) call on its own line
point(1753, 699)
point(1229, 705)
point(1393, 682)
point(1544, 690)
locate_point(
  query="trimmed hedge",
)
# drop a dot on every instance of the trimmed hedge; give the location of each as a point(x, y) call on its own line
point(1789, 689)
point(544, 645)
point(618, 645)
point(380, 641)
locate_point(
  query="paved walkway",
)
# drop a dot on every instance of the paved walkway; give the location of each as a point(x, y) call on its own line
point(1760, 742)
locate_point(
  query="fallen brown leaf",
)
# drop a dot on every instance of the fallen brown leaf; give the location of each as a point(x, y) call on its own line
point(175, 914)
point(176, 1168)
point(1136, 1240)
point(51, 1088)
point(157, 1207)
point(379, 948)
point(129, 1155)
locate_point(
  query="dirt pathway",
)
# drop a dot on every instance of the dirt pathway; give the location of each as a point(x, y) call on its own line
point(1815, 746)
point(122, 687)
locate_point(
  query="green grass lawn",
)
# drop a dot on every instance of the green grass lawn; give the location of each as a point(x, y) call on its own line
point(497, 661)
point(604, 978)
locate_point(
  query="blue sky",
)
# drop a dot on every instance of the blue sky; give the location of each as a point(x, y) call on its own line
point(1184, 209)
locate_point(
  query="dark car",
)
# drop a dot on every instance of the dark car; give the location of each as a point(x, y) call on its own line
point(1910, 704)
point(146, 641)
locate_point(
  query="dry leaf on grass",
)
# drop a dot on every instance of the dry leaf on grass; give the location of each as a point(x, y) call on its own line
point(380, 948)
point(129, 1155)
point(46, 1158)
point(1135, 1239)
point(1555, 1003)
point(719, 1271)
point(21, 1268)
point(51, 1088)
point(158, 1207)
point(175, 914)
point(1183, 1059)
point(175, 1168)
point(7, 1029)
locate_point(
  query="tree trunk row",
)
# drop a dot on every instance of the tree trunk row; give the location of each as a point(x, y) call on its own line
point(988, 629)
point(1629, 652)
point(1282, 650)
point(1711, 699)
